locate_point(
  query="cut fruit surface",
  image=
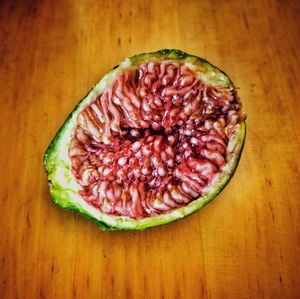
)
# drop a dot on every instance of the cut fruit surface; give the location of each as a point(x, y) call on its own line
point(155, 140)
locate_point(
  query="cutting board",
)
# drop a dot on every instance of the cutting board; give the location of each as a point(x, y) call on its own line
point(244, 244)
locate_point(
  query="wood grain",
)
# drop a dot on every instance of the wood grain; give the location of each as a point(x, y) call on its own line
point(245, 244)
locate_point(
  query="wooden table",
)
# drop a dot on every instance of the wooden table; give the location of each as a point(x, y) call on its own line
point(245, 244)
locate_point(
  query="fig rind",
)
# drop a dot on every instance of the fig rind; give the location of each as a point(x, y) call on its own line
point(62, 183)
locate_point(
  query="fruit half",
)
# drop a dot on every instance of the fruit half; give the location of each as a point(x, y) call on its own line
point(155, 140)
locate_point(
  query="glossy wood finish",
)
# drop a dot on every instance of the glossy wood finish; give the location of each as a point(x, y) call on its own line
point(245, 244)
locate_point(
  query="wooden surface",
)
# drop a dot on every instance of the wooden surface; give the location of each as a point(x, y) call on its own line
point(245, 244)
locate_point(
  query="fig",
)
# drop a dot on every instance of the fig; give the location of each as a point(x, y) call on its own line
point(156, 139)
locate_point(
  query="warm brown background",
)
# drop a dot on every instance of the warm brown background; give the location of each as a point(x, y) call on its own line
point(245, 244)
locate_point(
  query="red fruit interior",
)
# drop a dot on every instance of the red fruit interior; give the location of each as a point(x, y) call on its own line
point(153, 141)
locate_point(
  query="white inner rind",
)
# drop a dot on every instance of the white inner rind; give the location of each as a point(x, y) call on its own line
point(64, 187)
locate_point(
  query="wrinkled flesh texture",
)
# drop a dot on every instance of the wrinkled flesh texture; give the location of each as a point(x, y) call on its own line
point(152, 141)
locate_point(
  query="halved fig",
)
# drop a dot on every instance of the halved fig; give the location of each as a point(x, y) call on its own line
point(155, 140)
